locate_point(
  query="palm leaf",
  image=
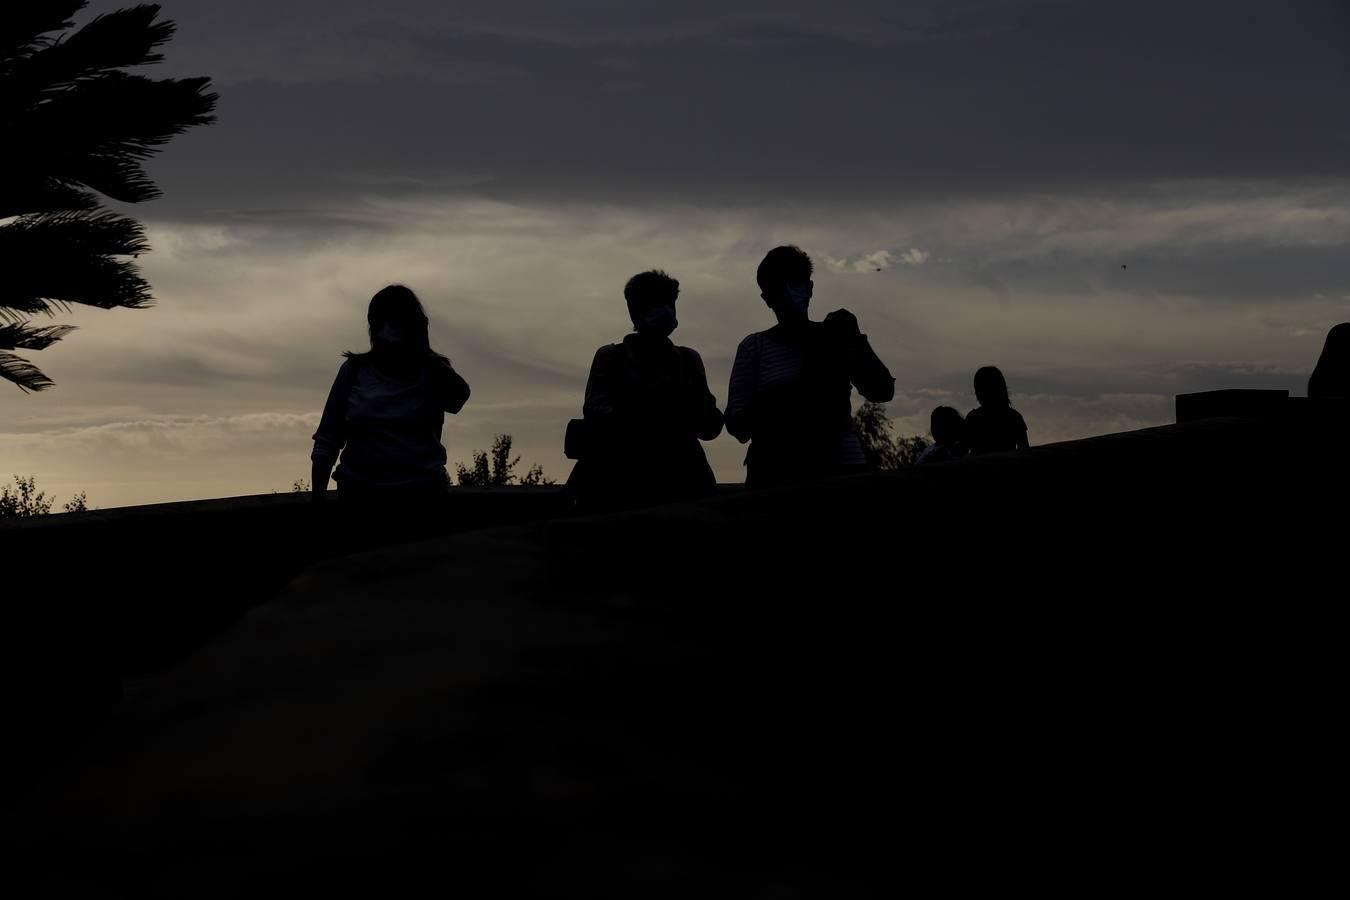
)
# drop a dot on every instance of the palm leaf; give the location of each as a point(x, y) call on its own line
point(87, 280)
point(71, 257)
point(21, 336)
point(24, 26)
point(116, 40)
point(99, 134)
point(23, 373)
point(20, 195)
point(73, 122)
point(85, 231)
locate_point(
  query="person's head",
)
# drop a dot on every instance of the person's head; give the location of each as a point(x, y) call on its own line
point(651, 302)
point(990, 388)
point(397, 322)
point(784, 277)
point(945, 424)
point(1331, 377)
point(1337, 347)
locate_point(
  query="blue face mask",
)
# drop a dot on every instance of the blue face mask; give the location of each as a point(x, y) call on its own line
point(798, 300)
point(659, 321)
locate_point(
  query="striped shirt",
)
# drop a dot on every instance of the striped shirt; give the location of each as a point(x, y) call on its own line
point(790, 395)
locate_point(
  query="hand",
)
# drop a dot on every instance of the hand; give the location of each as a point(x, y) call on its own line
point(843, 323)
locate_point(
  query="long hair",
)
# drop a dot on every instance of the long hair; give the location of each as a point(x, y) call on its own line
point(1331, 378)
point(991, 389)
point(398, 305)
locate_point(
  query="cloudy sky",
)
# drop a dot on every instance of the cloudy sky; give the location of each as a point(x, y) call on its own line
point(1114, 201)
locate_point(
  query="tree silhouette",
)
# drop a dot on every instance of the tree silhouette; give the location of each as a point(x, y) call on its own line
point(882, 449)
point(26, 500)
point(495, 467)
point(74, 123)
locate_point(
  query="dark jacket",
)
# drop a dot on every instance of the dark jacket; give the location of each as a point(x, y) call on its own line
point(387, 428)
point(647, 406)
point(992, 429)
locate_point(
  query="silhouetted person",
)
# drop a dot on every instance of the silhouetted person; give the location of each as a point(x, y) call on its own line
point(948, 430)
point(386, 409)
point(647, 407)
point(995, 426)
point(791, 385)
point(1331, 379)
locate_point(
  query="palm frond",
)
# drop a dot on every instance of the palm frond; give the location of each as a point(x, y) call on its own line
point(116, 40)
point(110, 42)
point(22, 336)
point(98, 134)
point(71, 257)
point(90, 281)
point(21, 195)
point(15, 307)
point(25, 26)
point(48, 67)
point(27, 376)
point(85, 231)
point(74, 122)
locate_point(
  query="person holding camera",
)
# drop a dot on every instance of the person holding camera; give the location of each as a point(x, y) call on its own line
point(791, 385)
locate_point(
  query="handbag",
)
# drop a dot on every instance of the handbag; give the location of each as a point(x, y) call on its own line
point(583, 435)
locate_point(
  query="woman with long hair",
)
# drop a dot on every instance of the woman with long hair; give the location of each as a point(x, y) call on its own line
point(386, 409)
point(1331, 379)
point(994, 426)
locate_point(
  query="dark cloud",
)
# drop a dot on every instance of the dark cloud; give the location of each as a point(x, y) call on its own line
point(813, 103)
point(1246, 273)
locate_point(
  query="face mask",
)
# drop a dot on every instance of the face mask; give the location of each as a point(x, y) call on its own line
point(798, 300)
point(392, 335)
point(659, 321)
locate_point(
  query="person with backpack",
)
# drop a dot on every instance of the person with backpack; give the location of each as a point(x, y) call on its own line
point(647, 407)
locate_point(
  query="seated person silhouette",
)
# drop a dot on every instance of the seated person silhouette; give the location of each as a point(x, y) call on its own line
point(386, 409)
point(791, 385)
point(948, 430)
point(647, 407)
point(1331, 379)
point(995, 426)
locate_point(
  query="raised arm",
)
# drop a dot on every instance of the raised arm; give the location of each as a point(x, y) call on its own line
point(865, 369)
point(452, 391)
point(869, 374)
point(740, 392)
